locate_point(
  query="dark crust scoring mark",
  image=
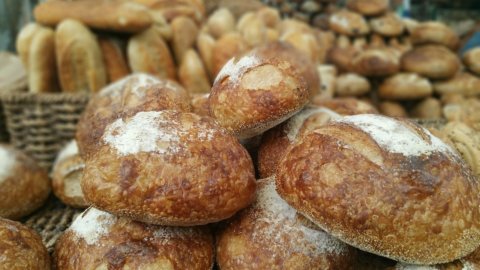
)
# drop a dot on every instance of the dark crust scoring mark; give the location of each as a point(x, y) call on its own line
point(203, 182)
point(420, 210)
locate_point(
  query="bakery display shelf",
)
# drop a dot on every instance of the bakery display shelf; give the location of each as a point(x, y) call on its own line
point(41, 124)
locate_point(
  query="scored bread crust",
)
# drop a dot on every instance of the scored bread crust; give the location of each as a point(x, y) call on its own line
point(431, 61)
point(137, 92)
point(258, 90)
point(417, 206)
point(99, 240)
point(169, 168)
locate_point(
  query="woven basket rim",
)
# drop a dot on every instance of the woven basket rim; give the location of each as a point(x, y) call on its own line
point(44, 98)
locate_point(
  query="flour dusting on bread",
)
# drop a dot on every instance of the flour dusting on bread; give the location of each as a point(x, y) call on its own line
point(234, 69)
point(92, 224)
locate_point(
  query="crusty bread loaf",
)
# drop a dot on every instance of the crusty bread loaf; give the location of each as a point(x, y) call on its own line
point(169, 168)
point(99, 240)
point(254, 31)
point(272, 235)
point(462, 83)
point(225, 48)
point(148, 53)
point(351, 84)
point(21, 247)
point(105, 15)
point(470, 262)
point(377, 62)
point(387, 25)
point(221, 22)
point(205, 45)
point(24, 41)
point(192, 73)
point(184, 35)
point(348, 23)
point(429, 108)
point(305, 42)
point(435, 33)
point(392, 109)
point(24, 186)
point(385, 186)
point(368, 7)
point(259, 90)
point(137, 92)
point(403, 86)
point(431, 61)
point(79, 58)
point(472, 60)
point(114, 58)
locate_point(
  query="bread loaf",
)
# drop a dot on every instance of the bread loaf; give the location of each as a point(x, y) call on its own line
point(392, 109)
point(351, 84)
point(377, 62)
point(205, 45)
point(225, 48)
point(114, 58)
point(192, 73)
point(348, 23)
point(472, 60)
point(387, 25)
point(184, 35)
point(368, 7)
point(435, 33)
point(429, 108)
point(404, 86)
point(346, 106)
point(431, 61)
point(221, 22)
point(463, 83)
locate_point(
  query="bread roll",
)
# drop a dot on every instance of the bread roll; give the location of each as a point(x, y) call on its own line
point(67, 173)
point(410, 24)
point(225, 48)
point(293, 25)
point(429, 108)
point(200, 104)
point(42, 70)
point(467, 142)
point(24, 186)
point(392, 109)
point(431, 61)
point(221, 22)
point(304, 42)
point(403, 86)
point(79, 58)
point(137, 92)
point(465, 111)
point(114, 58)
point(387, 25)
point(472, 60)
point(259, 90)
point(192, 73)
point(351, 84)
point(138, 163)
point(148, 53)
point(328, 75)
point(21, 247)
point(99, 240)
point(185, 33)
point(272, 235)
point(435, 33)
point(205, 45)
point(194, 9)
point(368, 7)
point(342, 58)
point(270, 16)
point(254, 32)
point(24, 41)
point(348, 23)
point(345, 106)
point(275, 141)
point(377, 62)
point(463, 83)
point(104, 15)
point(400, 180)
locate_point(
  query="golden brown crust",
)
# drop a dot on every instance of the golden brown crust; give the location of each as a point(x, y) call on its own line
point(272, 235)
point(205, 44)
point(184, 35)
point(106, 15)
point(21, 248)
point(137, 169)
point(348, 23)
point(228, 46)
point(462, 83)
point(389, 25)
point(342, 58)
point(221, 22)
point(472, 60)
point(200, 104)
point(24, 186)
point(137, 92)
point(377, 62)
point(148, 52)
point(114, 58)
point(429, 108)
point(392, 109)
point(368, 7)
point(435, 33)
point(79, 58)
point(99, 240)
point(192, 73)
point(346, 106)
point(24, 41)
point(404, 86)
point(431, 61)
point(408, 197)
point(351, 84)
point(42, 69)
point(259, 90)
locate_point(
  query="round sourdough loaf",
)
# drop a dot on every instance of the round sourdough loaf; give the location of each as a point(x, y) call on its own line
point(431, 61)
point(385, 186)
point(99, 240)
point(169, 168)
point(435, 33)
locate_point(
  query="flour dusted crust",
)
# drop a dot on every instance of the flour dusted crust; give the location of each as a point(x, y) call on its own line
point(431, 61)
point(169, 168)
point(137, 92)
point(99, 240)
point(385, 186)
point(348, 23)
point(275, 141)
point(24, 186)
point(272, 235)
point(259, 90)
point(21, 247)
point(472, 60)
point(435, 33)
point(346, 105)
point(368, 7)
point(403, 86)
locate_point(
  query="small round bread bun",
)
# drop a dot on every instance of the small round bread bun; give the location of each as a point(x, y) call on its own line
point(405, 86)
point(377, 62)
point(431, 61)
point(346, 106)
point(134, 93)
point(472, 60)
point(275, 141)
point(200, 104)
point(392, 109)
point(259, 90)
point(272, 235)
point(348, 23)
point(385, 186)
point(99, 240)
point(389, 25)
point(463, 83)
point(21, 247)
point(435, 33)
point(351, 84)
point(342, 58)
point(429, 108)
point(169, 168)
point(67, 174)
point(24, 186)
point(328, 73)
point(368, 7)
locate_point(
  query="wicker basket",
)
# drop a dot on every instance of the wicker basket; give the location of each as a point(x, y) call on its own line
point(41, 124)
